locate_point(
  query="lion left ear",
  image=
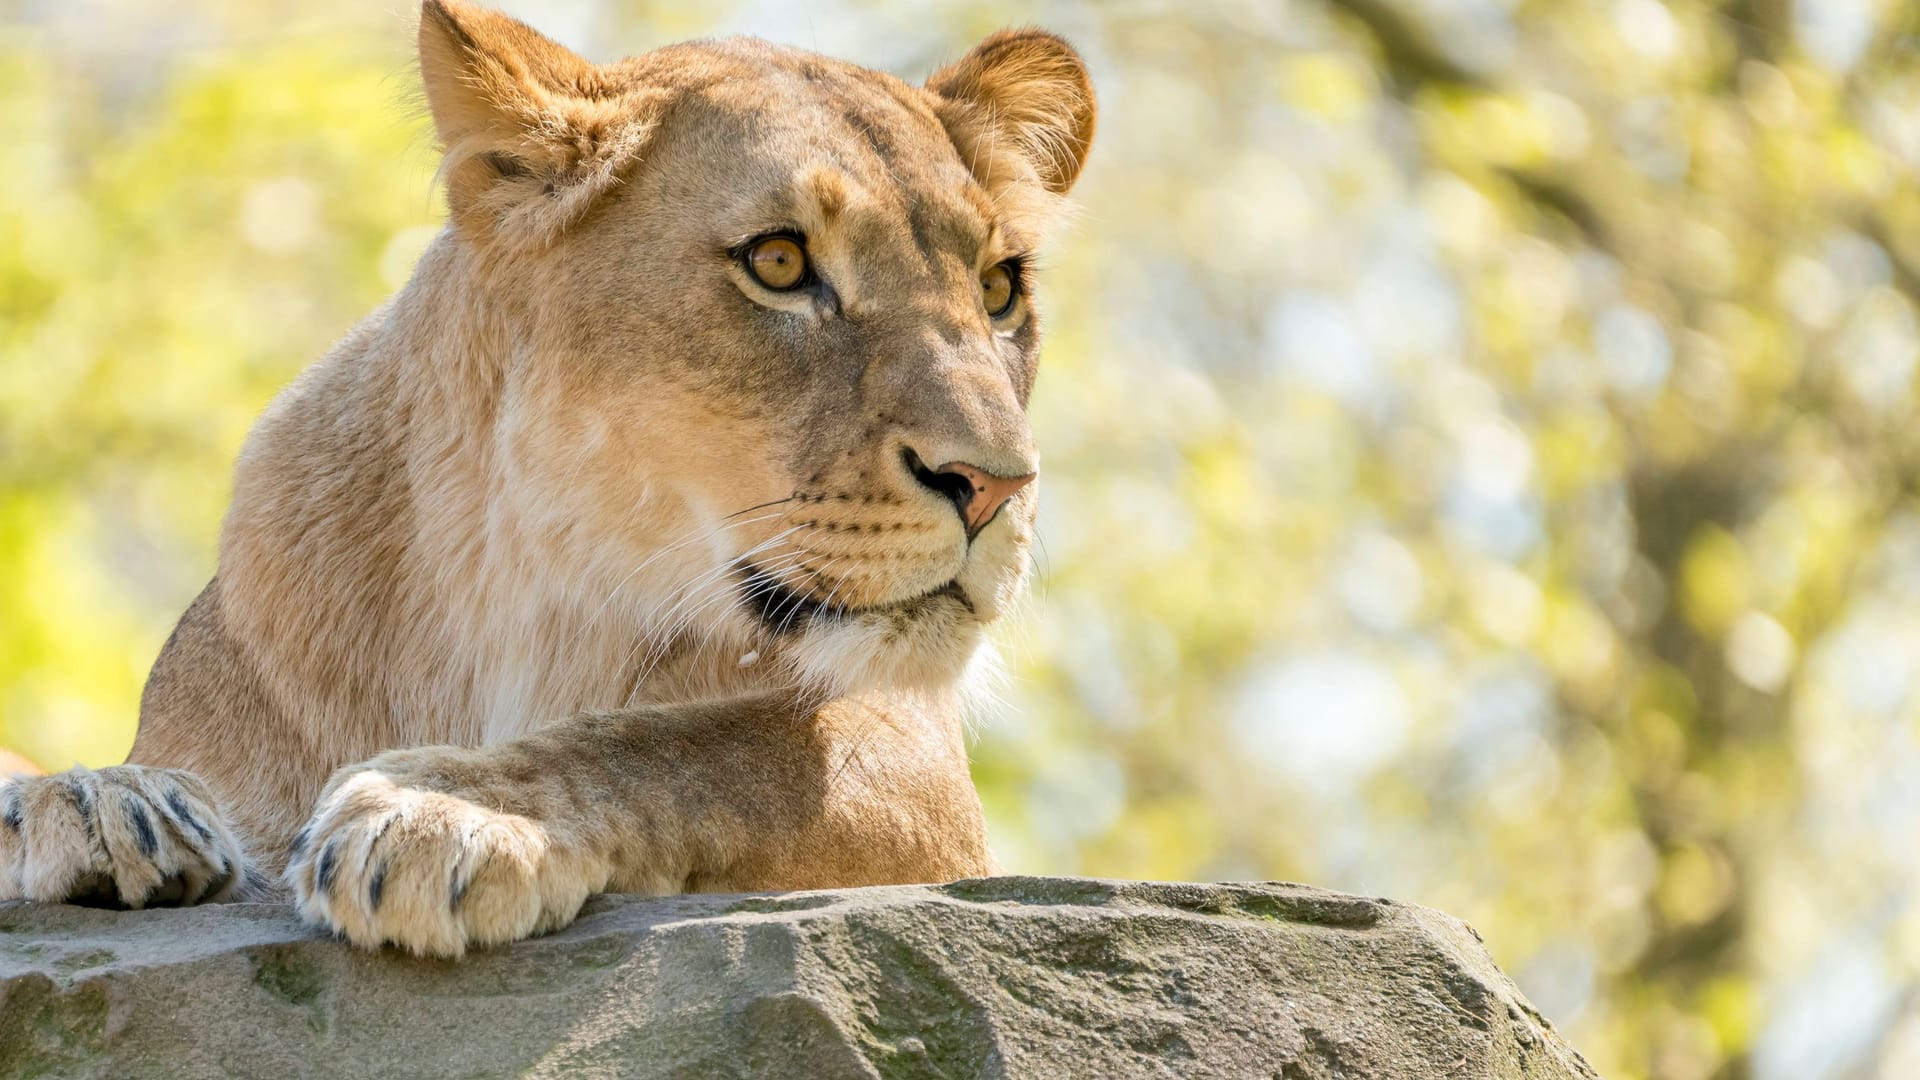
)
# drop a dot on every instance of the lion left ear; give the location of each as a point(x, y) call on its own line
point(532, 132)
point(1022, 94)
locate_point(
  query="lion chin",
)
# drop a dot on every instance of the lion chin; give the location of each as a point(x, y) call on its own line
point(924, 641)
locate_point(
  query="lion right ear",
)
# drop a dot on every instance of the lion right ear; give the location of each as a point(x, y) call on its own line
point(1019, 107)
point(532, 132)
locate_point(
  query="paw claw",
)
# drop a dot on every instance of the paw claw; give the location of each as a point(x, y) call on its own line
point(82, 803)
point(255, 885)
point(223, 877)
point(143, 830)
point(323, 878)
point(182, 813)
point(389, 863)
point(125, 836)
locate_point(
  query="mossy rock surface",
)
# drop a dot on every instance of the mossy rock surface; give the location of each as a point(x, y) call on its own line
point(1007, 977)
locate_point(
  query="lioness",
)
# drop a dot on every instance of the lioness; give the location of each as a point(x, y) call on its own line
point(648, 530)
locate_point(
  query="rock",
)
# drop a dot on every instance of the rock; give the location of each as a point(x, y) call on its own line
point(1003, 977)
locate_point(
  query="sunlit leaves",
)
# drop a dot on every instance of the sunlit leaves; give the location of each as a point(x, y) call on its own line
point(1480, 445)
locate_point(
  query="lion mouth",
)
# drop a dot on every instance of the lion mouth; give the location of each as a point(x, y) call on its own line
point(782, 609)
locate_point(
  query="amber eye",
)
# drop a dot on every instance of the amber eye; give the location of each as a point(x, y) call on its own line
point(778, 262)
point(997, 288)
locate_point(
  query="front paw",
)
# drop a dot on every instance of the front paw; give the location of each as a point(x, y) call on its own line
point(128, 836)
point(386, 860)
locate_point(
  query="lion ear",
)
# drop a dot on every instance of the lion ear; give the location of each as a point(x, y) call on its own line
point(1022, 95)
point(532, 133)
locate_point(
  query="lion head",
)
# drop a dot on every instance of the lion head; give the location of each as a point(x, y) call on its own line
point(772, 329)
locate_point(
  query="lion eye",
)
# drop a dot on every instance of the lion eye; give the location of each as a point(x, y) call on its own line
point(997, 289)
point(778, 262)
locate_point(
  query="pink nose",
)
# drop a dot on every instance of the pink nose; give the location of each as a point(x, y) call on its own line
point(977, 493)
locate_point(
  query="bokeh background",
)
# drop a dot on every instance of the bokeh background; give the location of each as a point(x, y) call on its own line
point(1481, 448)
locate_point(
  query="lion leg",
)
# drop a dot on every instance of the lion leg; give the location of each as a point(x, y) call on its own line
point(128, 836)
point(438, 848)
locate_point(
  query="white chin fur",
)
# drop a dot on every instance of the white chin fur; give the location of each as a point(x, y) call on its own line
point(926, 648)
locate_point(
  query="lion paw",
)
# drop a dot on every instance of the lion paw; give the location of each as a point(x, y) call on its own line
point(386, 862)
point(128, 836)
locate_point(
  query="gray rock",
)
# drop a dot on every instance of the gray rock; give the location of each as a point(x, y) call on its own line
point(1006, 977)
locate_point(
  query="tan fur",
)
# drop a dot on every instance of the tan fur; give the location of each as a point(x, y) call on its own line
point(495, 547)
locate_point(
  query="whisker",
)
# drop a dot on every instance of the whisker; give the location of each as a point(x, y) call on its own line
point(780, 564)
point(698, 533)
point(762, 506)
point(786, 624)
point(780, 578)
point(835, 590)
point(1046, 560)
point(675, 622)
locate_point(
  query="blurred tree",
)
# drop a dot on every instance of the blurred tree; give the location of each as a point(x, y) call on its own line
point(1481, 449)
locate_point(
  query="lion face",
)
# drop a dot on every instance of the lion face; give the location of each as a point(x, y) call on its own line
point(780, 359)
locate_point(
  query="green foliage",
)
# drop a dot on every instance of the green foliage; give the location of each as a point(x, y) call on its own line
point(1480, 453)
point(166, 264)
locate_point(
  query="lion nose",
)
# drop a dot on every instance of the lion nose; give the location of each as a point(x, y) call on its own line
point(975, 492)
